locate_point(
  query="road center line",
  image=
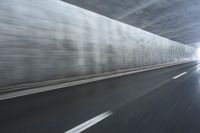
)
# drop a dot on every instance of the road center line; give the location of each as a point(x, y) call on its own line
point(175, 77)
point(89, 123)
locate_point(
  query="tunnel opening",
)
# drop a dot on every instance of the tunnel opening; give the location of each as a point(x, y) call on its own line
point(198, 53)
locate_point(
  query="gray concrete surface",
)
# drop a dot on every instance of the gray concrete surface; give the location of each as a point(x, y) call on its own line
point(50, 39)
point(50, 85)
point(174, 19)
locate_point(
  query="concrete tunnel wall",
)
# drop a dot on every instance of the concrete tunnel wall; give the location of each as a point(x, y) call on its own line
point(49, 39)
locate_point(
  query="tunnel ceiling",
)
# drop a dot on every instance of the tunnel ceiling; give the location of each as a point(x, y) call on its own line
point(178, 20)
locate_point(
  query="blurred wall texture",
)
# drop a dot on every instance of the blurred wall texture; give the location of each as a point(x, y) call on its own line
point(48, 39)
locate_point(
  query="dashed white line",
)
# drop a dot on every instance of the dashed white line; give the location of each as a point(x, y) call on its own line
point(89, 123)
point(175, 77)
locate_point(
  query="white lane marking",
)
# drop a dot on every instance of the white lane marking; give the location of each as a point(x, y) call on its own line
point(21, 91)
point(89, 123)
point(175, 77)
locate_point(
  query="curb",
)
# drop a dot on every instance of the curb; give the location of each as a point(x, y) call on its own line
point(28, 89)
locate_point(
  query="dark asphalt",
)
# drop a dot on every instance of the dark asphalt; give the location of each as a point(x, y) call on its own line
point(147, 102)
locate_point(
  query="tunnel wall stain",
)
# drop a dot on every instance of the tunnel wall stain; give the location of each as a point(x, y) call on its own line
point(49, 40)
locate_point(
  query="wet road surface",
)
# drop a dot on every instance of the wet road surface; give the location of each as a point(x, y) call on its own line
point(165, 100)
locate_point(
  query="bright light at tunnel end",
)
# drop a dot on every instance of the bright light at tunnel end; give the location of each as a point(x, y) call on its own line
point(198, 53)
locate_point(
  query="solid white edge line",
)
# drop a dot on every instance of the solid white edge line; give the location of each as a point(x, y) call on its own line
point(35, 90)
point(177, 76)
point(89, 123)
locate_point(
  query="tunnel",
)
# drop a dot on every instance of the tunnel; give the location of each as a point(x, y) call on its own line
point(99, 66)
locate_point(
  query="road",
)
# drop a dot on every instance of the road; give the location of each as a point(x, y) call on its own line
point(165, 100)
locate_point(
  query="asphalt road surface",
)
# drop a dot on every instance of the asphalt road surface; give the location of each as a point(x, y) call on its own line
point(165, 100)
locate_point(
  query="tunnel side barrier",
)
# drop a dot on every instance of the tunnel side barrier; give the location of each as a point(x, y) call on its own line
point(32, 88)
point(49, 40)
